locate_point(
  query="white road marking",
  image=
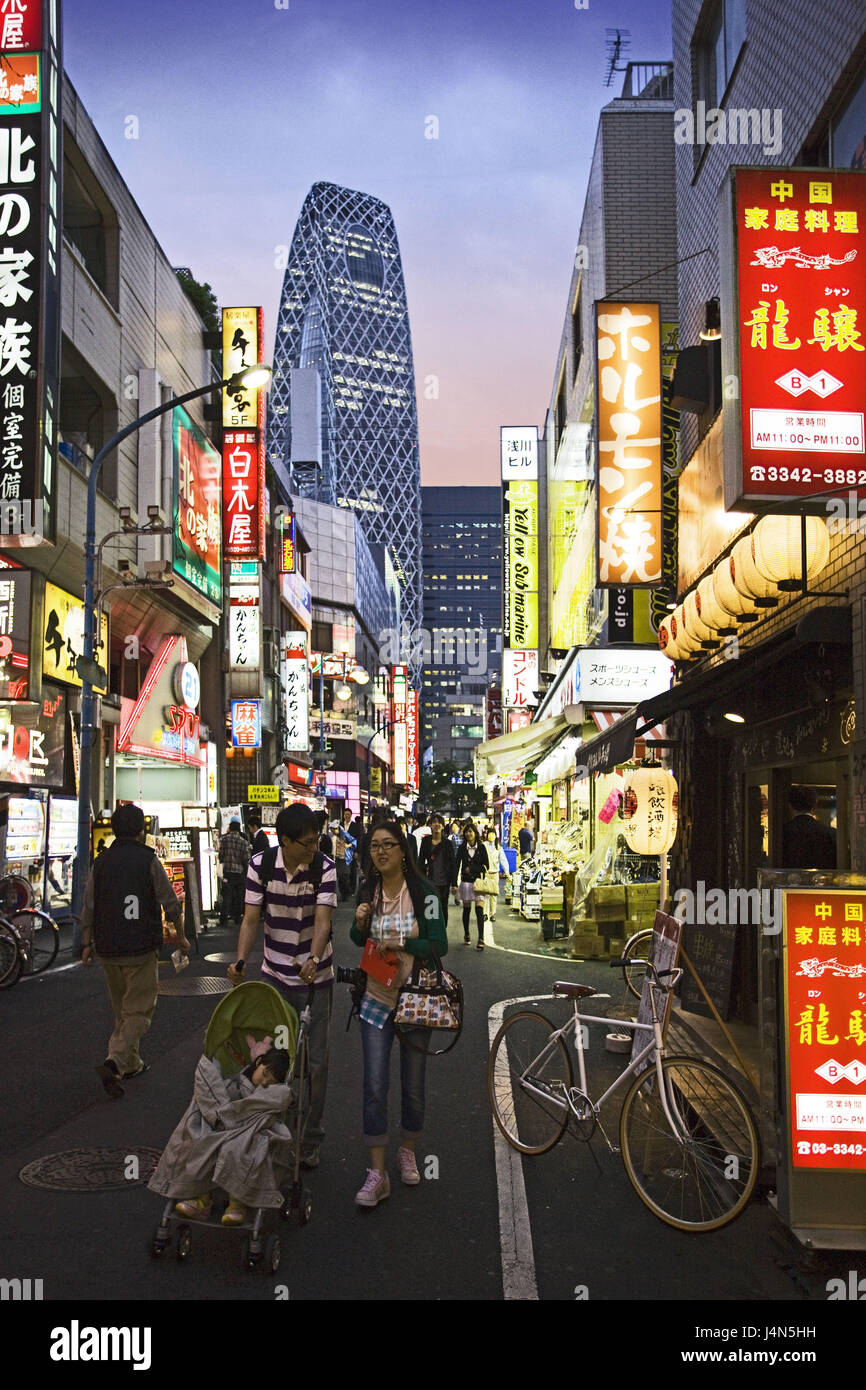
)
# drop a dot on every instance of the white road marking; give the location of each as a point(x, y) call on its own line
point(515, 1231)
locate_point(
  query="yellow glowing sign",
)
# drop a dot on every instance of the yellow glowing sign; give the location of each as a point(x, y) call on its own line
point(63, 636)
point(520, 542)
point(240, 349)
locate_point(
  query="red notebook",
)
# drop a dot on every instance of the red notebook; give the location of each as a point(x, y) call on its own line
point(385, 969)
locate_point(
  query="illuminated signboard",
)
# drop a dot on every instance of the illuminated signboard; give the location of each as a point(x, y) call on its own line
point(63, 636)
point(492, 713)
point(15, 589)
point(412, 738)
point(519, 678)
point(629, 462)
point(244, 618)
point(197, 538)
point(824, 946)
point(32, 754)
point(519, 464)
point(793, 312)
point(400, 761)
point(243, 494)
point(518, 452)
point(608, 676)
point(297, 596)
point(246, 723)
point(30, 201)
point(155, 724)
point(242, 336)
point(296, 694)
point(288, 544)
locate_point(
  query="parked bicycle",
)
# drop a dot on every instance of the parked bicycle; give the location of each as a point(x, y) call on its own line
point(687, 1138)
point(634, 958)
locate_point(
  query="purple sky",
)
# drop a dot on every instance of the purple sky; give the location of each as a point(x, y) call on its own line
point(242, 106)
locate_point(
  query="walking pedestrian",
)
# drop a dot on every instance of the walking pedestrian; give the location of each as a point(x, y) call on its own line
point(234, 855)
point(402, 913)
point(344, 853)
point(438, 863)
point(525, 841)
point(498, 865)
point(472, 864)
point(258, 838)
point(121, 927)
point(296, 886)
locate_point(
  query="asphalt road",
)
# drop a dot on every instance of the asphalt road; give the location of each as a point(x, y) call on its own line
point(591, 1238)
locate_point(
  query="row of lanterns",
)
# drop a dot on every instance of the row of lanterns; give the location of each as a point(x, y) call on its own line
point(746, 582)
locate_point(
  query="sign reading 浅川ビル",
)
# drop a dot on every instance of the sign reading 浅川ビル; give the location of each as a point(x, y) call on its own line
point(793, 343)
point(31, 100)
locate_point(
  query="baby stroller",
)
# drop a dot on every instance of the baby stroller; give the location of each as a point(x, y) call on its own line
point(254, 1010)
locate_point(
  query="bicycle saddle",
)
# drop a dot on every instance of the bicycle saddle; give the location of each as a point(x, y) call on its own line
point(573, 991)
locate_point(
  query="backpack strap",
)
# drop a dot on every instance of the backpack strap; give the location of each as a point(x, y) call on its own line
point(267, 864)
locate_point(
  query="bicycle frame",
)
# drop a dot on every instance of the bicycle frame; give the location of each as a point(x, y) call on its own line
point(655, 1048)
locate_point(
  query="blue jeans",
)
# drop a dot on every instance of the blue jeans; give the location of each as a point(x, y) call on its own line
point(377, 1044)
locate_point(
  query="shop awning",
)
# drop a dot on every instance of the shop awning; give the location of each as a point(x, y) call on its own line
point(500, 757)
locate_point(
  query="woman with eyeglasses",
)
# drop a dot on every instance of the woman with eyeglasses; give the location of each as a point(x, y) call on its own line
point(402, 913)
point(472, 864)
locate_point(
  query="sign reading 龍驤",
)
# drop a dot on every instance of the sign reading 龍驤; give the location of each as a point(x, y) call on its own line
point(519, 456)
point(629, 424)
point(30, 210)
point(196, 557)
point(243, 439)
point(793, 339)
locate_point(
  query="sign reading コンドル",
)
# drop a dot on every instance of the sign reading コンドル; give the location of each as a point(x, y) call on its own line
point(793, 340)
point(30, 203)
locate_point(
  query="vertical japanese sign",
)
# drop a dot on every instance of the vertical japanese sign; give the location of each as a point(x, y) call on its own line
point(793, 309)
point(197, 538)
point(246, 724)
point(519, 678)
point(492, 713)
point(15, 600)
point(629, 425)
point(412, 738)
point(296, 694)
point(63, 636)
point(519, 466)
point(399, 739)
point(288, 544)
point(243, 439)
point(824, 945)
point(30, 211)
point(244, 616)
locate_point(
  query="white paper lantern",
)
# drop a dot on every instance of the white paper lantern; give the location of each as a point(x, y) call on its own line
point(686, 645)
point(747, 578)
point(649, 810)
point(667, 642)
point(728, 594)
point(695, 626)
point(777, 547)
point(709, 609)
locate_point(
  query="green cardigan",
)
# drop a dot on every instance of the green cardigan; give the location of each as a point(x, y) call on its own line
point(430, 919)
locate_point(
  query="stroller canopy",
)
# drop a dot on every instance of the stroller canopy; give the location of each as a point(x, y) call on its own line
point(253, 1009)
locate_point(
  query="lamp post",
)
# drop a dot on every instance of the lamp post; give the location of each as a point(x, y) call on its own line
point(250, 378)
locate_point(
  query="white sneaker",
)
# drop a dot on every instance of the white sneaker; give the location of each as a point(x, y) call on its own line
point(376, 1188)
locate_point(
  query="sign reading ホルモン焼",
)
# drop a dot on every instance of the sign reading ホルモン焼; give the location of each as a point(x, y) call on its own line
point(629, 425)
point(793, 342)
point(30, 213)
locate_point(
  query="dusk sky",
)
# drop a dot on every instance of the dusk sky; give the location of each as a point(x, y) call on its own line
point(242, 106)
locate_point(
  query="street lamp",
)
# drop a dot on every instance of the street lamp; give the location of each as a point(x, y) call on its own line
point(250, 378)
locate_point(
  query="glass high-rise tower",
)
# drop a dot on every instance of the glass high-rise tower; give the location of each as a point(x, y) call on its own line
point(343, 310)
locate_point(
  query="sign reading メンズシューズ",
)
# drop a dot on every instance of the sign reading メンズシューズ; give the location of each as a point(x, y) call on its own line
point(793, 341)
point(30, 203)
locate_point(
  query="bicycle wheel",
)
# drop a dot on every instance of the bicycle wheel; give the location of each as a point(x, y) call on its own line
point(41, 936)
point(637, 949)
point(11, 963)
point(701, 1176)
point(525, 1092)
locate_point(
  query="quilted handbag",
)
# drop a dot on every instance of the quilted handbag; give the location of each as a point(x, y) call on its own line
point(430, 998)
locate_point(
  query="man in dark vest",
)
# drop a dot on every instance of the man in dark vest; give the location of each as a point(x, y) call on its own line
point(121, 925)
point(806, 842)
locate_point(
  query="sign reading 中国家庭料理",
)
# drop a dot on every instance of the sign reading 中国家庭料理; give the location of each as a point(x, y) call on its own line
point(793, 347)
point(31, 98)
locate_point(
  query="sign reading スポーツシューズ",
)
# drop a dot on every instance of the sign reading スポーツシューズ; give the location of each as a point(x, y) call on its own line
point(793, 333)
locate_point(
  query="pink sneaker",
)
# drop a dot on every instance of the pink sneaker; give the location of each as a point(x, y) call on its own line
point(376, 1188)
point(408, 1167)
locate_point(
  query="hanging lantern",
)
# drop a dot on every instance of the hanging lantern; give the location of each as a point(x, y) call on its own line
point(686, 644)
point(729, 597)
point(649, 810)
point(710, 610)
point(695, 626)
point(668, 644)
point(748, 579)
point(777, 548)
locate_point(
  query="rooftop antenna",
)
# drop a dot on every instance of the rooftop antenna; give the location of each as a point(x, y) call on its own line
point(617, 41)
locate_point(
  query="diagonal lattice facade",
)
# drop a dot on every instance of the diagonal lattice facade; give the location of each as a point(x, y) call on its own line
point(343, 310)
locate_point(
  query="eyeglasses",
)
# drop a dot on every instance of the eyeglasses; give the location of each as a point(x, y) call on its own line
point(383, 846)
point(308, 843)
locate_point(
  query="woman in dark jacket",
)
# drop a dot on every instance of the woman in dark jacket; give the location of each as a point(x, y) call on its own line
point(437, 861)
point(472, 864)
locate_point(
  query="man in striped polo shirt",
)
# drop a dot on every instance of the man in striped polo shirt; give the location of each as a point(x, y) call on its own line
point(297, 943)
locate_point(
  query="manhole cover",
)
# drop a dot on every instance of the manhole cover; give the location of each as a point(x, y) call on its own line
point(91, 1170)
point(228, 956)
point(197, 984)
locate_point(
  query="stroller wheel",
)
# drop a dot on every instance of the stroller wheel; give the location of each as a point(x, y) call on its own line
point(184, 1241)
point(305, 1207)
point(157, 1248)
point(272, 1255)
